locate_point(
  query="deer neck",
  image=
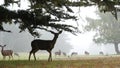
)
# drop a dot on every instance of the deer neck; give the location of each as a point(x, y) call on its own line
point(2, 49)
point(54, 39)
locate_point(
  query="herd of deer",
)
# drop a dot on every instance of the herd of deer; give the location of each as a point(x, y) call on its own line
point(60, 53)
point(36, 45)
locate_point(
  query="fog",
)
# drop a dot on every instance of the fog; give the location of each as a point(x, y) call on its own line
point(21, 42)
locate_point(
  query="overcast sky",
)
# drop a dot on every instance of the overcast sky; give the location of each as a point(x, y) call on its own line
point(66, 42)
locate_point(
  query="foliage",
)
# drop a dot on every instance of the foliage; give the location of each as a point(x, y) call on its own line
point(107, 28)
point(41, 13)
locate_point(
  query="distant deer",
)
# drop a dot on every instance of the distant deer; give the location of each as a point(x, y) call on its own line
point(101, 53)
point(6, 52)
point(64, 53)
point(74, 53)
point(47, 45)
point(86, 53)
point(58, 53)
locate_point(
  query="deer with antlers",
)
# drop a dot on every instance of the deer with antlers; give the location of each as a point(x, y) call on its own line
point(47, 45)
point(6, 52)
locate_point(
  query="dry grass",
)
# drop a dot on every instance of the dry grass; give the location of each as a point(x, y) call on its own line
point(71, 62)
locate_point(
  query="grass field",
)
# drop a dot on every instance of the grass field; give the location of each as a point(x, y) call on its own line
point(81, 61)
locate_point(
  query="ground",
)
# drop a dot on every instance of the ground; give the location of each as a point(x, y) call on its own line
point(79, 61)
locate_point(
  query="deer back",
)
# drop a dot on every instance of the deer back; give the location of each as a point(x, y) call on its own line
point(6, 52)
point(41, 44)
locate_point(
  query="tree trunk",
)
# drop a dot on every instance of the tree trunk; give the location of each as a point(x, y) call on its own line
point(116, 48)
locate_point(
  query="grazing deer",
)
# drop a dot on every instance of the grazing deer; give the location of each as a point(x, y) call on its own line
point(101, 53)
point(58, 53)
point(6, 52)
point(86, 53)
point(47, 45)
point(64, 53)
point(74, 53)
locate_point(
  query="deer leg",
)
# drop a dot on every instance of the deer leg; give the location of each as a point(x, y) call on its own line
point(50, 55)
point(12, 57)
point(34, 56)
point(30, 54)
point(34, 53)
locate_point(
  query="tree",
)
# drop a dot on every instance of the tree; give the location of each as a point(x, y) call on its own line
point(40, 12)
point(107, 29)
point(37, 16)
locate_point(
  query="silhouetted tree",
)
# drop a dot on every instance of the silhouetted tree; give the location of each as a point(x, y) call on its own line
point(39, 13)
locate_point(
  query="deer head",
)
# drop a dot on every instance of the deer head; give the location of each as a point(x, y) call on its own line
point(2, 46)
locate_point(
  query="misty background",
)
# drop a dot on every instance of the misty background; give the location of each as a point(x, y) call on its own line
point(21, 42)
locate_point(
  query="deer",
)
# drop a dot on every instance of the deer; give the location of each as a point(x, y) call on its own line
point(58, 53)
point(101, 53)
point(48, 45)
point(64, 54)
point(6, 52)
point(74, 53)
point(86, 53)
